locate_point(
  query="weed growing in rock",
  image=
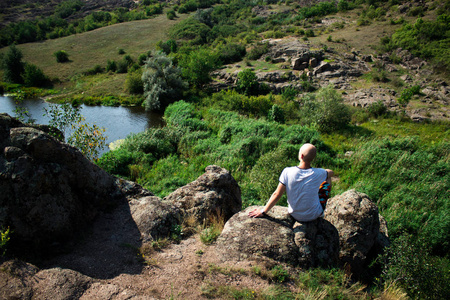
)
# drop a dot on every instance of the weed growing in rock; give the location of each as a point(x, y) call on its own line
point(5, 236)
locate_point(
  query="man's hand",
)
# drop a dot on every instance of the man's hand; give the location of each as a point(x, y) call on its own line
point(256, 213)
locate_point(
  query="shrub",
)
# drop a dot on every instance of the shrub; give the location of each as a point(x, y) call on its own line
point(122, 67)
point(171, 14)
point(230, 53)
point(34, 76)
point(325, 110)
point(134, 83)
point(5, 236)
point(258, 51)
point(12, 65)
point(407, 95)
point(168, 47)
point(61, 56)
point(276, 114)
point(97, 69)
point(111, 66)
point(190, 29)
point(247, 82)
point(377, 109)
point(197, 65)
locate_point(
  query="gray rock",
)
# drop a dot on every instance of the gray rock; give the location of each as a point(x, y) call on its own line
point(214, 194)
point(154, 218)
point(280, 238)
point(252, 238)
point(356, 218)
point(60, 283)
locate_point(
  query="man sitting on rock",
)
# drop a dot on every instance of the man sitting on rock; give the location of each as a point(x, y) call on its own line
point(301, 184)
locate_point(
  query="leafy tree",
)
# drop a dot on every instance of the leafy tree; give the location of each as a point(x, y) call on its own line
point(89, 139)
point(247, 82)
point(325, 110)
point(197, 65)
point(34, 76)
point(13, 66)
point(162, 82)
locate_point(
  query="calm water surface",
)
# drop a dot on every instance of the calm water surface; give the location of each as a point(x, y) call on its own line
point(119, 122)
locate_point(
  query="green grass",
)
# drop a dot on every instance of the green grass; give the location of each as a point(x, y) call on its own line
point(96, 47)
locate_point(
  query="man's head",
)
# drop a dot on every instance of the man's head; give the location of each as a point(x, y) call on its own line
point(307, 153)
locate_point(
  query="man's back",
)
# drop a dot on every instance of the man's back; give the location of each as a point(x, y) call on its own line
point(302, 186)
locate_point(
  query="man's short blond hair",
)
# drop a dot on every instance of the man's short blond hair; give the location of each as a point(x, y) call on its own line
point(309, 152)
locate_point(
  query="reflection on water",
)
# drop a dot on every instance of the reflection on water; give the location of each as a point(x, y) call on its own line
point(119, 122)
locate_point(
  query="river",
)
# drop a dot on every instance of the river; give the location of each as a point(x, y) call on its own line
point(119, 122)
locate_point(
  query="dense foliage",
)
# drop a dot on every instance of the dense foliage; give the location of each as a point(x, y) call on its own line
point(428, 39)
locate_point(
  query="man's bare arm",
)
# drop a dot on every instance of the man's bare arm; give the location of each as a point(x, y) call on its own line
point(281, 188)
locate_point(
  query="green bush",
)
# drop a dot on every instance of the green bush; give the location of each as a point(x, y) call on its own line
point(325, 110)
point(61, 56)
point(259, 50)
point(230, 53)
point(5, 236)
point(34, 76)
point(318, 10)
point(423, 277)
point(111, 66)
point(134, 83)
point(190, 29)
point(171, 14)
point(247, 82)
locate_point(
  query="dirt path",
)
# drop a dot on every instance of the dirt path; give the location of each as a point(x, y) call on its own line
point(110, 254)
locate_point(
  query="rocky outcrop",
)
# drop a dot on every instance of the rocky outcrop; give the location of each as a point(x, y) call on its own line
point(349, 234)
point(50, 191)
point(215, 193)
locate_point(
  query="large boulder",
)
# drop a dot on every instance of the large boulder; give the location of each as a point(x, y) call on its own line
point(50, 191)
point(154, 219)
point(349, 235)
point(357, 220)
point(214, 194)
point(280, 238)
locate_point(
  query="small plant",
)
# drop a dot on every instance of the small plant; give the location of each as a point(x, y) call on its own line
point(121, 51)
point(329, 38)
point(61, 56)
point(209, 235)
point(279, 274)
point(4, 239)
point(407, 95)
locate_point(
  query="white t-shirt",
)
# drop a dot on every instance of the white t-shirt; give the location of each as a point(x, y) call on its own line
point(302, 189)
